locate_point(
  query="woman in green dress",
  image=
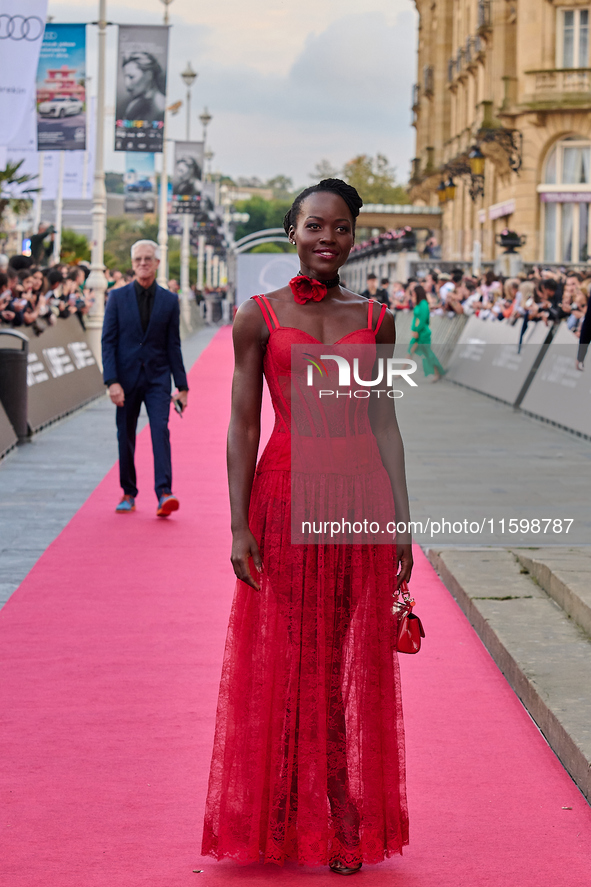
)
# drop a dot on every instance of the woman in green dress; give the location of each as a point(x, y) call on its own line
point(420, 341)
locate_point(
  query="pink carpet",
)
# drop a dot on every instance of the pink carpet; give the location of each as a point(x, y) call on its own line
point(110, 660)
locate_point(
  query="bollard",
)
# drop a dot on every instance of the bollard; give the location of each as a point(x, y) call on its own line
point(14, 353)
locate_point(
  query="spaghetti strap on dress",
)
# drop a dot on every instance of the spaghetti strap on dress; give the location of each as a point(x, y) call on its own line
point(308, 758)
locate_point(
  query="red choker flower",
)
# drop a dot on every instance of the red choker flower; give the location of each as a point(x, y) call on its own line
point(306, 288)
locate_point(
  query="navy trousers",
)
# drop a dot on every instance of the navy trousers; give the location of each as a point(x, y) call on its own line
point(156, 396)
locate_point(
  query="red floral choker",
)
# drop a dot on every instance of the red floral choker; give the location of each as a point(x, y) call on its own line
point(306, 288)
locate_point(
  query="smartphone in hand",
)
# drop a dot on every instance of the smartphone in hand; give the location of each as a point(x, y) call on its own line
point(178, 406)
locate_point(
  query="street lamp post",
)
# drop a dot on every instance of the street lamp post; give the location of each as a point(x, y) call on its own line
point(205, 119)
point(209, 155)
point(189, 76)
point(166, 5)
point(163, 202)
point(97, 281)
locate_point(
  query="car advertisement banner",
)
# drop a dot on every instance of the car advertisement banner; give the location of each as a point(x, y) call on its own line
point(187, 178)
point(142, 58)
point(61, 89)
point(139, 183)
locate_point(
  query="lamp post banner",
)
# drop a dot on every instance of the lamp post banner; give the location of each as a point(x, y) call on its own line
point(61, 89)
point(187, 181)
point(139, 183)
point(22, 23)
point(142, 58)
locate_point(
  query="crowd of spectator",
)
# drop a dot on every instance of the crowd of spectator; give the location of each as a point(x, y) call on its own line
point(36, 297)
point(545, 296)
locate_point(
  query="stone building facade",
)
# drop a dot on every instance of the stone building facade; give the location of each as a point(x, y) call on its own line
point(509, 80)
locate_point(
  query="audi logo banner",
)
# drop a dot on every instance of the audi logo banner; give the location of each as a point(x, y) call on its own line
point(22, 23)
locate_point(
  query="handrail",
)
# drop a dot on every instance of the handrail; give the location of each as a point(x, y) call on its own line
point(263, 233)
point(258, 241)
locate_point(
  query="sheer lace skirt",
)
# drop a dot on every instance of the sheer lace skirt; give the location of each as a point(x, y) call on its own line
point(308, 759)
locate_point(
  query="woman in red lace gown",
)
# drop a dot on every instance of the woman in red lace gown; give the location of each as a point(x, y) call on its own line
point(308, 759)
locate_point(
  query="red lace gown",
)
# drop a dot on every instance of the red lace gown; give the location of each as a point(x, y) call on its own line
point(308, 758)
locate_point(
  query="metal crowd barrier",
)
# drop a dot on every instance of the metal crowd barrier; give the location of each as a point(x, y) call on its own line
point(445, 332)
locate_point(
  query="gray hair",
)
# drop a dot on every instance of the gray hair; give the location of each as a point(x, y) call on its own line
point(151, 243)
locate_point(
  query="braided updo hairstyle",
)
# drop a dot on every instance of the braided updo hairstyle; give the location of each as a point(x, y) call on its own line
point(335, 186)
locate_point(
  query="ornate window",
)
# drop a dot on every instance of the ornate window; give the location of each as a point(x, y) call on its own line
point(565, 194)
point(572, 38)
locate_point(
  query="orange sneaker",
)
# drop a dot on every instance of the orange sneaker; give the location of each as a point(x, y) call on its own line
point(126, 506)
point(167, 503)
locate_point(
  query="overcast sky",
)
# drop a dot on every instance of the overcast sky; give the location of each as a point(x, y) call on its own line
point(287, 84)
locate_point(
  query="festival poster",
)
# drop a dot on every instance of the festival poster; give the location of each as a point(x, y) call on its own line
point(61, 89)
point(187, 178)
point(142, 58)
point(139, 182)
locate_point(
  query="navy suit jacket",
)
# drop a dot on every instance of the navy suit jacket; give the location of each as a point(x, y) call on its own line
point(585, 334)
point(127, 349)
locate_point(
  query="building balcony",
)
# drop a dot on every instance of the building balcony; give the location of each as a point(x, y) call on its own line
point(484, 17)
point(557, 89)
point(466, 60)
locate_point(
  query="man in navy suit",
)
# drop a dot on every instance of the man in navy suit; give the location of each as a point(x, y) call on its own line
point(141, 350)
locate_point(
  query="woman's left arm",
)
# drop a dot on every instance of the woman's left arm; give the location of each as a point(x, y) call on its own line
point(384, 425)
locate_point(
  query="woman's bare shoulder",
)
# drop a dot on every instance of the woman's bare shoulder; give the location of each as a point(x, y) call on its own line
point(283, 294)
point(351, 296)
point(249, 321)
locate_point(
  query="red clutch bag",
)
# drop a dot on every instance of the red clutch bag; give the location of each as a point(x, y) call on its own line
point(409, 627)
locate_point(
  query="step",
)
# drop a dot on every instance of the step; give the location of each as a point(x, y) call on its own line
point(543, 653)
point(565, 574)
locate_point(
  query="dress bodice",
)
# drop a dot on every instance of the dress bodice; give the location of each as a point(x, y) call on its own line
point(319, 425)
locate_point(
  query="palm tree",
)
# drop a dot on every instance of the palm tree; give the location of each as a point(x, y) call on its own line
point(9, 178)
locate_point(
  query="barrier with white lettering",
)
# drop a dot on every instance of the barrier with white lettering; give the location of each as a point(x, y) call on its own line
point(487, 356)
point(8, 437)
point(62, 373)
point(560, 392)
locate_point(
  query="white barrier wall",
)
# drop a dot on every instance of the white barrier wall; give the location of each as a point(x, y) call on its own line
point(560, 392)
point(486, 357)
point(258, 273)
point(7, 436)
point(62, 373)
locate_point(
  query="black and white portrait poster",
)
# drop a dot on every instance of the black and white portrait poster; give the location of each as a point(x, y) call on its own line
point(187, 177)
point(141, 87)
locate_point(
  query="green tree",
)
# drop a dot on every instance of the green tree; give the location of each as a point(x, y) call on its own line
point(122, 232)
point(114, 182)
point(263, 214)
point(375, 180)
point(75, 247)
point(174, 261)
point(8, 178)
point(325, 170)
point(282, 187)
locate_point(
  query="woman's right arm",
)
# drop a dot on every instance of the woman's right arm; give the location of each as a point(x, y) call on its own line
point(244, 433)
